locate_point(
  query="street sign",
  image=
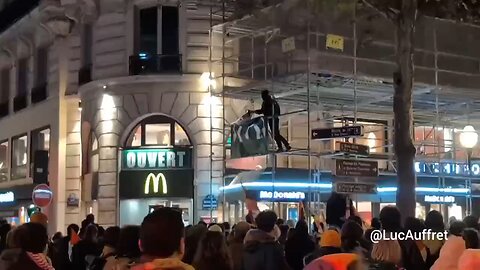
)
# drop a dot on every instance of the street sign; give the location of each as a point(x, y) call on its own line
point(350, 167)
point(42, 195)
point(355, 149)
point(209, 202)
point(343, 187)
point(341, 132)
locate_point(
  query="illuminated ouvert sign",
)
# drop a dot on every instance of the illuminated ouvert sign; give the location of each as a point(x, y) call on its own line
point(158, 180)
point(148, 159)
point(439, 199)
point(278, 195)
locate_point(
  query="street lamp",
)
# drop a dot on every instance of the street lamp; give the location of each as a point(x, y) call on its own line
point(468, 139)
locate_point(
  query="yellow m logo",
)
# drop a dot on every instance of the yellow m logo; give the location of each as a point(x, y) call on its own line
point(156, 182)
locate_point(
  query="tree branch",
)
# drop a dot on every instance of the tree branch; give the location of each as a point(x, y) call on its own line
point(387, 12)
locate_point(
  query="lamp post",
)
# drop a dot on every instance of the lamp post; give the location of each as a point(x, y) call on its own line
point(468, 139)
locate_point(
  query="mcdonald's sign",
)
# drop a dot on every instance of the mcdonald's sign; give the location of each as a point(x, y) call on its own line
point(157, 179)
point(156, 184)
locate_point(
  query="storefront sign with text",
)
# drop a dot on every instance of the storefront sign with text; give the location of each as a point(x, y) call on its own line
point(7, 197)
point(439, 199)
point(281, 195)
point(455, 169)
point(151, 159)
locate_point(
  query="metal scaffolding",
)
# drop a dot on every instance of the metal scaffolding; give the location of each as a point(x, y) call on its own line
point(261, 51)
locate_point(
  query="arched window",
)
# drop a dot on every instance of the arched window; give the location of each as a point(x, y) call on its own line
point(93, 154)
point(158, 130)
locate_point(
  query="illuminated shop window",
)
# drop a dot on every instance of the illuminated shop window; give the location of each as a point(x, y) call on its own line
point(159, 131)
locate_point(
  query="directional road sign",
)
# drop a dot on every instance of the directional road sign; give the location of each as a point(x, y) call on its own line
point(351, 167)
point(355, 149)
point(365, 188)
point(341, 132)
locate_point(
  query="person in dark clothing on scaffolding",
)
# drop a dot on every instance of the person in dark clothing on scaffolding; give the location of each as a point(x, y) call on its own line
point(271, 110)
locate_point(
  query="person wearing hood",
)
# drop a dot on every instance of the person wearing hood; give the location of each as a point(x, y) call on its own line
point(32, 239)
point(236, 246)
point(330, 243)
point(261, 250)
point(452, 249)
point(162, 236)
point(298, 246)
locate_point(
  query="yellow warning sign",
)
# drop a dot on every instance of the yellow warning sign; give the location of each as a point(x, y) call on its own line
point(335, 42)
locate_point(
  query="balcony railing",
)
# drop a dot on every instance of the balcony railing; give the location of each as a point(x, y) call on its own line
point(4, 108)
point(39, 93)
point(19, 102)
point(145, 64)
point(85, 75)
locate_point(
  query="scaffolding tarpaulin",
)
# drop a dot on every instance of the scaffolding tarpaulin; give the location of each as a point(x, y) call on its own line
point(249, 138)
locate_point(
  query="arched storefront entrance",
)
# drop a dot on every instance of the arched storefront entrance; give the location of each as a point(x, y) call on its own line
point(156, 170)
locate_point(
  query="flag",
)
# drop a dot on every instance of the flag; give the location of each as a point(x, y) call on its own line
point(249, 138)
point(251, 204)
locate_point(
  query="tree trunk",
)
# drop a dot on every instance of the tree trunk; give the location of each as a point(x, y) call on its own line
point(402, 108)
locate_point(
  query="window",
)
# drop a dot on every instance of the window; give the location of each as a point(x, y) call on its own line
point(94, 154)
point(41, 66)
point(4, 161)
point(158, 30)
point(19, 157)
point(22, 71)
point(40, 140)
point(4, 85)
point(157, 134)
point(158, 131)
point(87, 42)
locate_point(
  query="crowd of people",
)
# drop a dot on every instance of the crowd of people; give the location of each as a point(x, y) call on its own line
point(162, 242)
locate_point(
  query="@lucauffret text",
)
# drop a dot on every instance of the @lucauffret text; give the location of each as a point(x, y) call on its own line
point(425, 235)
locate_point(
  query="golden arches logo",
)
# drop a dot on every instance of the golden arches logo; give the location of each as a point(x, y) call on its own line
point(156, 182)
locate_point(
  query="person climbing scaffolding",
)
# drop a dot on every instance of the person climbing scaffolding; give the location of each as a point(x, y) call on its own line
point(271, 110)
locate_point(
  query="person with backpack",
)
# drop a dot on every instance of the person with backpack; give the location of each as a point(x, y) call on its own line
point(271, 110)
point(85, 251)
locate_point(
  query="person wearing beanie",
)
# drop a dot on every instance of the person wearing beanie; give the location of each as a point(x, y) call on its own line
point(330, 243)
point(215, 228)
point(236, 246)
point(39, 218)
point(261, 250)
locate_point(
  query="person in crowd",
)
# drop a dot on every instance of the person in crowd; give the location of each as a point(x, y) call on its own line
point(53, 247)
point(280, 222)
point(415, 253)
point(4, 229)
point(271, 110)
point(111, 237)
point(357, 219)
point(434, 222)
point(87, 249)
point(283, 234)
point(391, 219)
point(298, 246)
point(201, 222)
point(63, 249)
point(351, 236)
point(12, 251)
point(452, 249)
point(471, 222)
point(215, 228)
point(128, 251)
point(291, 223)
point(101, 236)
point(386, 255)
point(32, 239)
point(261, 250)
point(235, 247)
point(470, 236)
point(330, 243)
point(226, 228)
point(192, 239)
point(336, 210)
point(374, 225)
point(162, 241)
point(212, 253)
